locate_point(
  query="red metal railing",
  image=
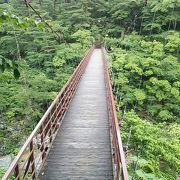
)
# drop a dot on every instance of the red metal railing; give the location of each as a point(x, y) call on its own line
point(30, 159)
point(120, 169)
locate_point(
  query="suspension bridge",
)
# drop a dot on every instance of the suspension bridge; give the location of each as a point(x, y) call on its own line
point(78, 137)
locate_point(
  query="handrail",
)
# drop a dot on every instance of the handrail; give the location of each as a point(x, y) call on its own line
point(120, 168)
point(30, 159)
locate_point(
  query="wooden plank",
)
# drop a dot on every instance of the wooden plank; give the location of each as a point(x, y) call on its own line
point(82, 148)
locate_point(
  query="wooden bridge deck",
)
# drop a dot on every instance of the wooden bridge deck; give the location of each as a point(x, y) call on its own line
point(82, 147)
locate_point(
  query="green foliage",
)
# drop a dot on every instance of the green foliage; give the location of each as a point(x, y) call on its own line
point(8, 64)
point(156, 144)
point(146, 77)
point(34, 67)
point(2, 171)
point(84, 37)
point(145, 74)
point(173, 42)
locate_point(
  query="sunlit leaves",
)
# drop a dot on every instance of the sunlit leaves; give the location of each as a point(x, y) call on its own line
point(173, 42)
point(139, 94)
point(154, 49)
point(133, 67)
point(165, 115)
point(154, 26)
point(175, 92)
point(84, 37)
point(57, 62)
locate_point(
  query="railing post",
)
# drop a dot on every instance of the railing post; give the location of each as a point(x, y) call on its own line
point(50, 131)
point(32, 160)
point(42, 141)
point(17, 173)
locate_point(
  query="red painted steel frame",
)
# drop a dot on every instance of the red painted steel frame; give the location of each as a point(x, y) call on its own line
point(30, 159)
point(120, 169)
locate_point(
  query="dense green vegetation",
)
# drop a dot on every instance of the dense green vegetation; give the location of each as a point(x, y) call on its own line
point(42, 44)
point(43, 62)
point(145, 69)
